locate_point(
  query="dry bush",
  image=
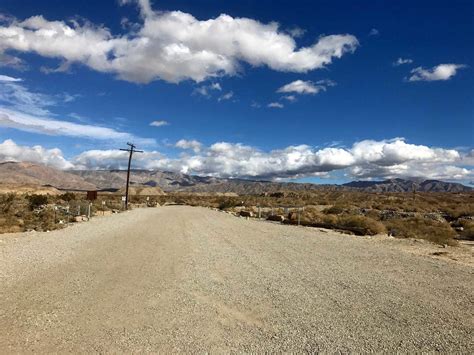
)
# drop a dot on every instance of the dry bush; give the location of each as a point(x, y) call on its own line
point(366, 225)
point(468, 226)
point(457, 211)
point(360, 225)
point(434, 231)
point(338, 209)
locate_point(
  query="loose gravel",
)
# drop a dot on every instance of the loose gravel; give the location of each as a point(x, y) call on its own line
point(184, 279)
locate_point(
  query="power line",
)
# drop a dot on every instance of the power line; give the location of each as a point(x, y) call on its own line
point(131, 150)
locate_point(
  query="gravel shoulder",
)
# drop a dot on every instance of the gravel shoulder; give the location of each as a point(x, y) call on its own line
point(191, 279)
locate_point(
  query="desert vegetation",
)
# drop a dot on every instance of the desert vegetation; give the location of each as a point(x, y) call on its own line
point(41, 212)
point(438, 217)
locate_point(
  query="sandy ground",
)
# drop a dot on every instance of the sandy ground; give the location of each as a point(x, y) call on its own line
point(190, 279)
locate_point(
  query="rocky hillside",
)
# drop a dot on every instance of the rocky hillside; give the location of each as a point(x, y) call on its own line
point(35, 174)
point(402, 185)
point(168, 181)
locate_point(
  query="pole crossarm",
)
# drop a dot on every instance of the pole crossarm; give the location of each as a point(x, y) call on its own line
point(131, 150)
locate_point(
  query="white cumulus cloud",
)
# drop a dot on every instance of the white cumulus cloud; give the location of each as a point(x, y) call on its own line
point(172, 46)
point(439, 72)
point(10, 151)
point(189, 144)
point(364, 159)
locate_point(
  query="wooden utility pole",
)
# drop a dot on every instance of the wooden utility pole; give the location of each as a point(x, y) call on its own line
point(131, 150)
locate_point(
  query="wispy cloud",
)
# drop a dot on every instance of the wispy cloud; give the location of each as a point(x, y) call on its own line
point(302, 87)
point(296, 32)
point(374, 32)
point(290, 98)
point(18, 96)
point(159, 123)
point(9, 79)
point(44, 125)
point(15, 94)
point(206, 90)
point(11, 61)
point(226, 96)
point(275, 105)
point(401, 61)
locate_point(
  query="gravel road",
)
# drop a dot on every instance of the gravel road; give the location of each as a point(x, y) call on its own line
point(188, 279)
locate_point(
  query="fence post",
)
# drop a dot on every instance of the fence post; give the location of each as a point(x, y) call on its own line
point(299, 215)
point(89, 211)
point(259, 212)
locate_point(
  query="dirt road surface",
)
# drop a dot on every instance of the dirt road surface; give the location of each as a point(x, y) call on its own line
point(191, 279)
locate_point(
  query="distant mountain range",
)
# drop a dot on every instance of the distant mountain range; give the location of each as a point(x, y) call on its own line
point(113, 180)
point(403, 185)
point(36, 174)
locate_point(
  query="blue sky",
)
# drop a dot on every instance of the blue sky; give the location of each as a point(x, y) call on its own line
point(323, 91)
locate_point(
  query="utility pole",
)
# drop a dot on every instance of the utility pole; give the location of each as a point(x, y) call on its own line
point(131, 150)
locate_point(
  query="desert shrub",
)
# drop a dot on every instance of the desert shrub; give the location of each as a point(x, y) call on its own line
point(458, 211)
point(337, 209)
point(468, 226)
point(373, 214)
point(434, 231)
point(35, 201)
point(367, 226)
point(6, 202)
point(228, 203)
point(359, 224)
point(68, 196)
